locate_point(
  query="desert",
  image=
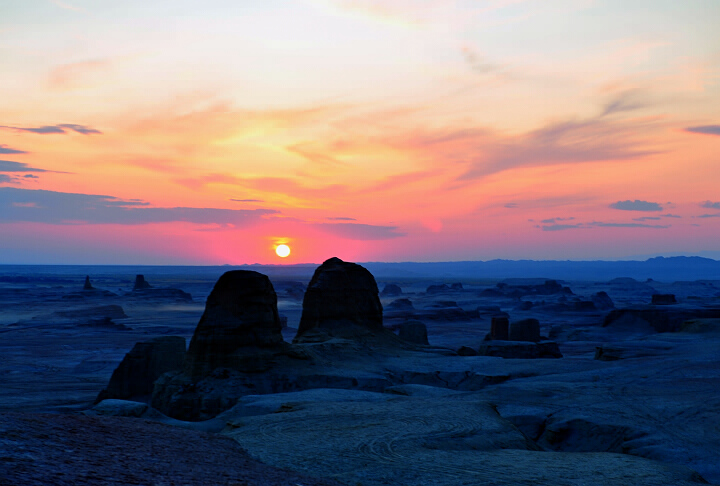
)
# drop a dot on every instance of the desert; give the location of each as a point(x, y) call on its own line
point(328, 375)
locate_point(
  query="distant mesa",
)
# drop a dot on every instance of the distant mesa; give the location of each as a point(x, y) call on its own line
point(141, 283)
point(500, 328)
point(651, 319)
point(88, 285)
point(341, 300)
point(391, 290)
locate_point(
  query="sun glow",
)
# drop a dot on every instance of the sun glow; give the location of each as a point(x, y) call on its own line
point(282, 251)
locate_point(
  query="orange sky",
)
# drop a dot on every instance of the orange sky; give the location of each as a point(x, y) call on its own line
point(171, 132)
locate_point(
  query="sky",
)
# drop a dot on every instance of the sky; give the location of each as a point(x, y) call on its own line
point(210, 132)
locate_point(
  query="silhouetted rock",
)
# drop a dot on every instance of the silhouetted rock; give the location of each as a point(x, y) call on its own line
point(525, 330)
point(499, 328)
point(240, 320)
point(413, 332)
point(466, 351)
point(140, 283)
point(437, 289)
point(391, 290)
point(341, 300)
point(145, 362)
point(584, 305)
point(603, 301)
point(663, 299)
point(88, 285)
point(456, 286)
point(653, 319)
point(98, 312)
point(525, 305)
point(520, 350)
point(400, 305)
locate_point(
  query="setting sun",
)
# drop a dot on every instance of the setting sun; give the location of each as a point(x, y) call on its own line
point(282, 251)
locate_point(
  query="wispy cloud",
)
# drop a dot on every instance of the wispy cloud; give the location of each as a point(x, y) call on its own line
point(4, 149)
point(555, 220)
point(705, 129)
point(357, 231)
point(10, 166)
point(560, 227)
point(55, 129)
point(341, 219)
point(636, 205)
point(710, 205)
point(647, 218)
point(628, 225)
point(247, 200)
point(72, 208)
point(76, 74)
point(716, 215)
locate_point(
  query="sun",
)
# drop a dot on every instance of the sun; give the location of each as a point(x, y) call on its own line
point(282, 251)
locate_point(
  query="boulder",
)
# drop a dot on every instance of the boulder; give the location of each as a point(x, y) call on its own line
point(456, 286)
point(663, 299)
point(413, 332)
point(145, 362)
point(603, 301)
point(525, 330)
point(466, 351)
point(88, 285)
point(240, 321)
point(141, 283)
point(391, 290)
point(341, 300)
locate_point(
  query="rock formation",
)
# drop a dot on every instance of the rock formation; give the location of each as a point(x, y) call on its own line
point(520, 349)
point(145, 362)
point(341, 300)
point(141, 283)
point(663, 299)
point(525, 330)
point(413, 332)
point(603, 301)
point(88, 285)
point(499, 329)
point(391, 290)
point(240, 320)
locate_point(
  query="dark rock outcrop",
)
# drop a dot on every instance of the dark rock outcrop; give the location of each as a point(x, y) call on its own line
point(466, 351)
point(603, 301)
point(112, 311)
point(653, 319)
point(141, 283)
point(663, 299)
point(240, 321)
point(520, 349)
point(341, 300)
point(413, 332)
point(437, 289)
point(145, 362)
point(391, 290)
point(525, 330)
point(499, 328)
point(88, 285)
